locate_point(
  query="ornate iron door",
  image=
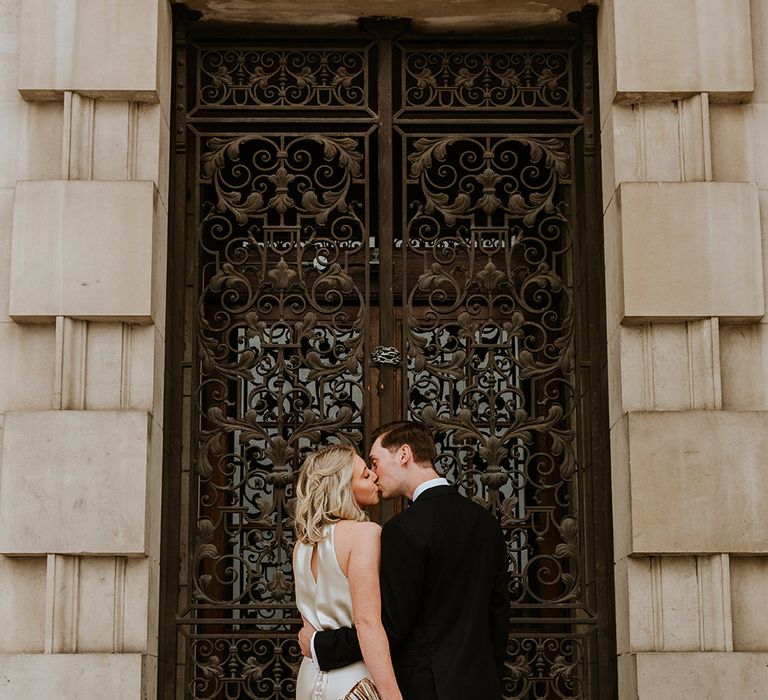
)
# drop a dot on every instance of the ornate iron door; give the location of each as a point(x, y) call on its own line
point(434, 198)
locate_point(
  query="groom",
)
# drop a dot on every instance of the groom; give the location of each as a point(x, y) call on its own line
point(445, 602)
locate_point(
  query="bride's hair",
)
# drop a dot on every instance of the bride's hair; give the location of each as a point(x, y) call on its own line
point(324, 492)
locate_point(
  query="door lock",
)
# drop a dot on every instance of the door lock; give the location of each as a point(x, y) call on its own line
point(386, 355)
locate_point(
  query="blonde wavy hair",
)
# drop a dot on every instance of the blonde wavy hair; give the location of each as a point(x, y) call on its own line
point(324, 492)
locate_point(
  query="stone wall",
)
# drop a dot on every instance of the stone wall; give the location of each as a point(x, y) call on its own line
point(684, 118)
point(84, 106)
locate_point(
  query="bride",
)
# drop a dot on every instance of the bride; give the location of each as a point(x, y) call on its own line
point(336, 570)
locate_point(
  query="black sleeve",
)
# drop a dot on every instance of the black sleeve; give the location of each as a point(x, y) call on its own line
point(337, 648)
point(403, 564)
point(499, 612)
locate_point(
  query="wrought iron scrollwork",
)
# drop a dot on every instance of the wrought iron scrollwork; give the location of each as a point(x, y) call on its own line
point(490, 329)
point(285, 323)
point(281, 332)
point(489, 336)
point(279, 77)
point(487, 80)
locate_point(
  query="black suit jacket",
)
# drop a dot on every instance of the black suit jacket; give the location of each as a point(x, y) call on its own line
point(445, 601)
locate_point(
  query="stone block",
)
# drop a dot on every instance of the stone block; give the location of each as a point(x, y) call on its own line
point(691, 482)
point(744, 367)
point(9, 26)
point(155, 490)
point(665, 366)
point(764, 241)
point(700, 675)
point(99, 604)
point(749, 602)
point(153, 150)
point(88, 473)
point(656, 142)
point(670, 49)
point(689, 250)
point(22, 605)
point(614, 265)
point(27, 369)
point(98, 48)
point(86, 250)
point(116, 140)
point(760, 48)
point(740, 143)
point(31, 146)
point(11, 117)
point(72, 676)
point(9, 70)
point(627, 667)
point(674, 604)
point(6, 226)
point(606, 50)
point(107, 354)
point(40, 148)
point(620, 488)
point(110, 366)
point(159, 265)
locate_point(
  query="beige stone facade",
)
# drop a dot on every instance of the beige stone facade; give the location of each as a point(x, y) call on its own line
point(85, 111)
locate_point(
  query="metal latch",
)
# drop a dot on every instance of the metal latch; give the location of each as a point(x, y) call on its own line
point(385, 355)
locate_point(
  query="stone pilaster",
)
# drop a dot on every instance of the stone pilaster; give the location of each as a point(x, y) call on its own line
point(685, 229)
point(83, 239)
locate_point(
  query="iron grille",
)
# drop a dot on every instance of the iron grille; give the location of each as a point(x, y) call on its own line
point(432, 198)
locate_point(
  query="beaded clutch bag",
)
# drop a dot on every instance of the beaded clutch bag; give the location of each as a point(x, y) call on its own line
point(363, 690)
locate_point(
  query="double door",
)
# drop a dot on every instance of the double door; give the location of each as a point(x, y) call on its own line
point(386, 228)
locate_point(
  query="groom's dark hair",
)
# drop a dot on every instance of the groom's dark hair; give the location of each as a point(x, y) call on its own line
point(417, 436)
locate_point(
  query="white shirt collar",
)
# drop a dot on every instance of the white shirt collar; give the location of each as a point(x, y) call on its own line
point(421, 488)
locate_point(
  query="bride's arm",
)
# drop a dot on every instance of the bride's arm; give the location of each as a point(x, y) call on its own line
point(363, 576)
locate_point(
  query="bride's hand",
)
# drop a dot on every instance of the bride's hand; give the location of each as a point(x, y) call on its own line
point(305, 639)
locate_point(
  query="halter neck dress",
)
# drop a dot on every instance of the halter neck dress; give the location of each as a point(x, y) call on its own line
point(326, 603)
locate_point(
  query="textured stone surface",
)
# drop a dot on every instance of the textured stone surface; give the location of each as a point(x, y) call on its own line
point(692, 482)
point(690, 250)
point(71, 676)
point(87, 250)
point(744, 367)
point(749, 602)
point(27, 369)
point(701, 676)
point(740, 142)
point(99, 604)
point(760, 48)
point(656, 142)
point(103, 48)
point(665, 366)
point(673, 604)
point(677, 48)
point(22, 605)
point(78, 486)
point(427, 15)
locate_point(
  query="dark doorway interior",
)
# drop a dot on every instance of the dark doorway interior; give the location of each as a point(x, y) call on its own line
point(368, 228)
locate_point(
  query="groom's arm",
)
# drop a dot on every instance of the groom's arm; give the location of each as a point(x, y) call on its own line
point(336, 648)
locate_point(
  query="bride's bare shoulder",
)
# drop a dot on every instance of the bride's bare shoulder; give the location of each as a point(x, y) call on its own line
point(352, 530)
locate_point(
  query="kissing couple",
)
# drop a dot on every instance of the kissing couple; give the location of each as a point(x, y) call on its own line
point(415, 610)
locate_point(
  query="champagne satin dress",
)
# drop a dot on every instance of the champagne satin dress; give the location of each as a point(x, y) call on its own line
point(326, 603)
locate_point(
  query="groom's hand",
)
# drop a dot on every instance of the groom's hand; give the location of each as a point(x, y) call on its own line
point(305, 639)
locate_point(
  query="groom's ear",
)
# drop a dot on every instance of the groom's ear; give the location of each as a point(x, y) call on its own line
point(405, 454)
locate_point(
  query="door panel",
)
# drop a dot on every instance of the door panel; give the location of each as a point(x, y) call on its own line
point(421, 195)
